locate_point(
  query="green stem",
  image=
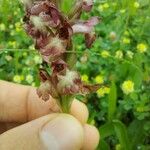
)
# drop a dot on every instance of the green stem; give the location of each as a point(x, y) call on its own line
point(65, 102)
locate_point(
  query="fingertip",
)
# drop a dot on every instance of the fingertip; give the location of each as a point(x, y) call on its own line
point(56, 133)
point(80, 111)
point(91, 137)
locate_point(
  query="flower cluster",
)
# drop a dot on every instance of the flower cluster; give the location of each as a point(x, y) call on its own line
point(52, 31)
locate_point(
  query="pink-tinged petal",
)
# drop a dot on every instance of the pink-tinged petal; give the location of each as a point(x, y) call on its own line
point(92, 21)
point(85, 27)
point(81, 28)
point(87, 5)
point(89, 39)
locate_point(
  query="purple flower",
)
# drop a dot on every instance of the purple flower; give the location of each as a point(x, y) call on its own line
point(52, 31)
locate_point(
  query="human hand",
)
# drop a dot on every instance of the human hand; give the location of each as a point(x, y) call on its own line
point(28, 123)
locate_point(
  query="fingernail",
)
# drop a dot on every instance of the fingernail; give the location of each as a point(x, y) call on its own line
point(62, 133)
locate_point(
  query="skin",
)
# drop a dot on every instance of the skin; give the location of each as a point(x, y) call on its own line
point(23, 117)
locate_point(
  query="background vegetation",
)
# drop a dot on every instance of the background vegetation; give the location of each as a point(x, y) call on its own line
point(119, 60)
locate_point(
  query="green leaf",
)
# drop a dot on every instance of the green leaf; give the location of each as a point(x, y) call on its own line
point(106, 130)
point(103, 146)
point(121, 132)
point(122, 69)
point(136, 137)
point(112, 99)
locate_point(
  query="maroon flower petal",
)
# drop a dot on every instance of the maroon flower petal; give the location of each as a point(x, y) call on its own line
point(42, 41)
point(58, 66)
point(43, 75)
point(66, 31)
point(86, 89)
point(47, 11)
point(46, 90)
point(89, 39)
point(41, 6)
point(32, 31)
point(55, 47)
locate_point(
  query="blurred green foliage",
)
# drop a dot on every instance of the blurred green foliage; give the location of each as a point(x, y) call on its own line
point(119, 60)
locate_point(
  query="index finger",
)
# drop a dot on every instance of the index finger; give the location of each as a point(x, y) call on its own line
point(19, 103)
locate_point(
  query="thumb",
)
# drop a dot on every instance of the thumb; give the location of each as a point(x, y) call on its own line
point(51, 132)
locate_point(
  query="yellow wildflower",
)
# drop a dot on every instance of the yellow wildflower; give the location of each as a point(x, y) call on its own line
point(29, 78)
point(128, 86)
point(33, 84)
point(142, 47)
point(24, 54)
point(99, 79)
point(84, 59)
point(85, 78)
point(112, 35)
point(126, 40)
point(106, 5)
point(8, 57)
point(15, 13)
point(102, 91)
point(17, 24)
point(106, 90)
point(31, 47)
point(126, 33)
point(17, 79)
point(12, 33)
point(105, 54)
point(37, 59)
point(11, 26)
point(18, 29)
point(119, 54)
point(130, 54)
point(136, 4)
point(100, 7)
point(12, 44)
point(2, 27)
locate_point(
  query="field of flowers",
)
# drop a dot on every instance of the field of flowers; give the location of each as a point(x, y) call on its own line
point(119, 60)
